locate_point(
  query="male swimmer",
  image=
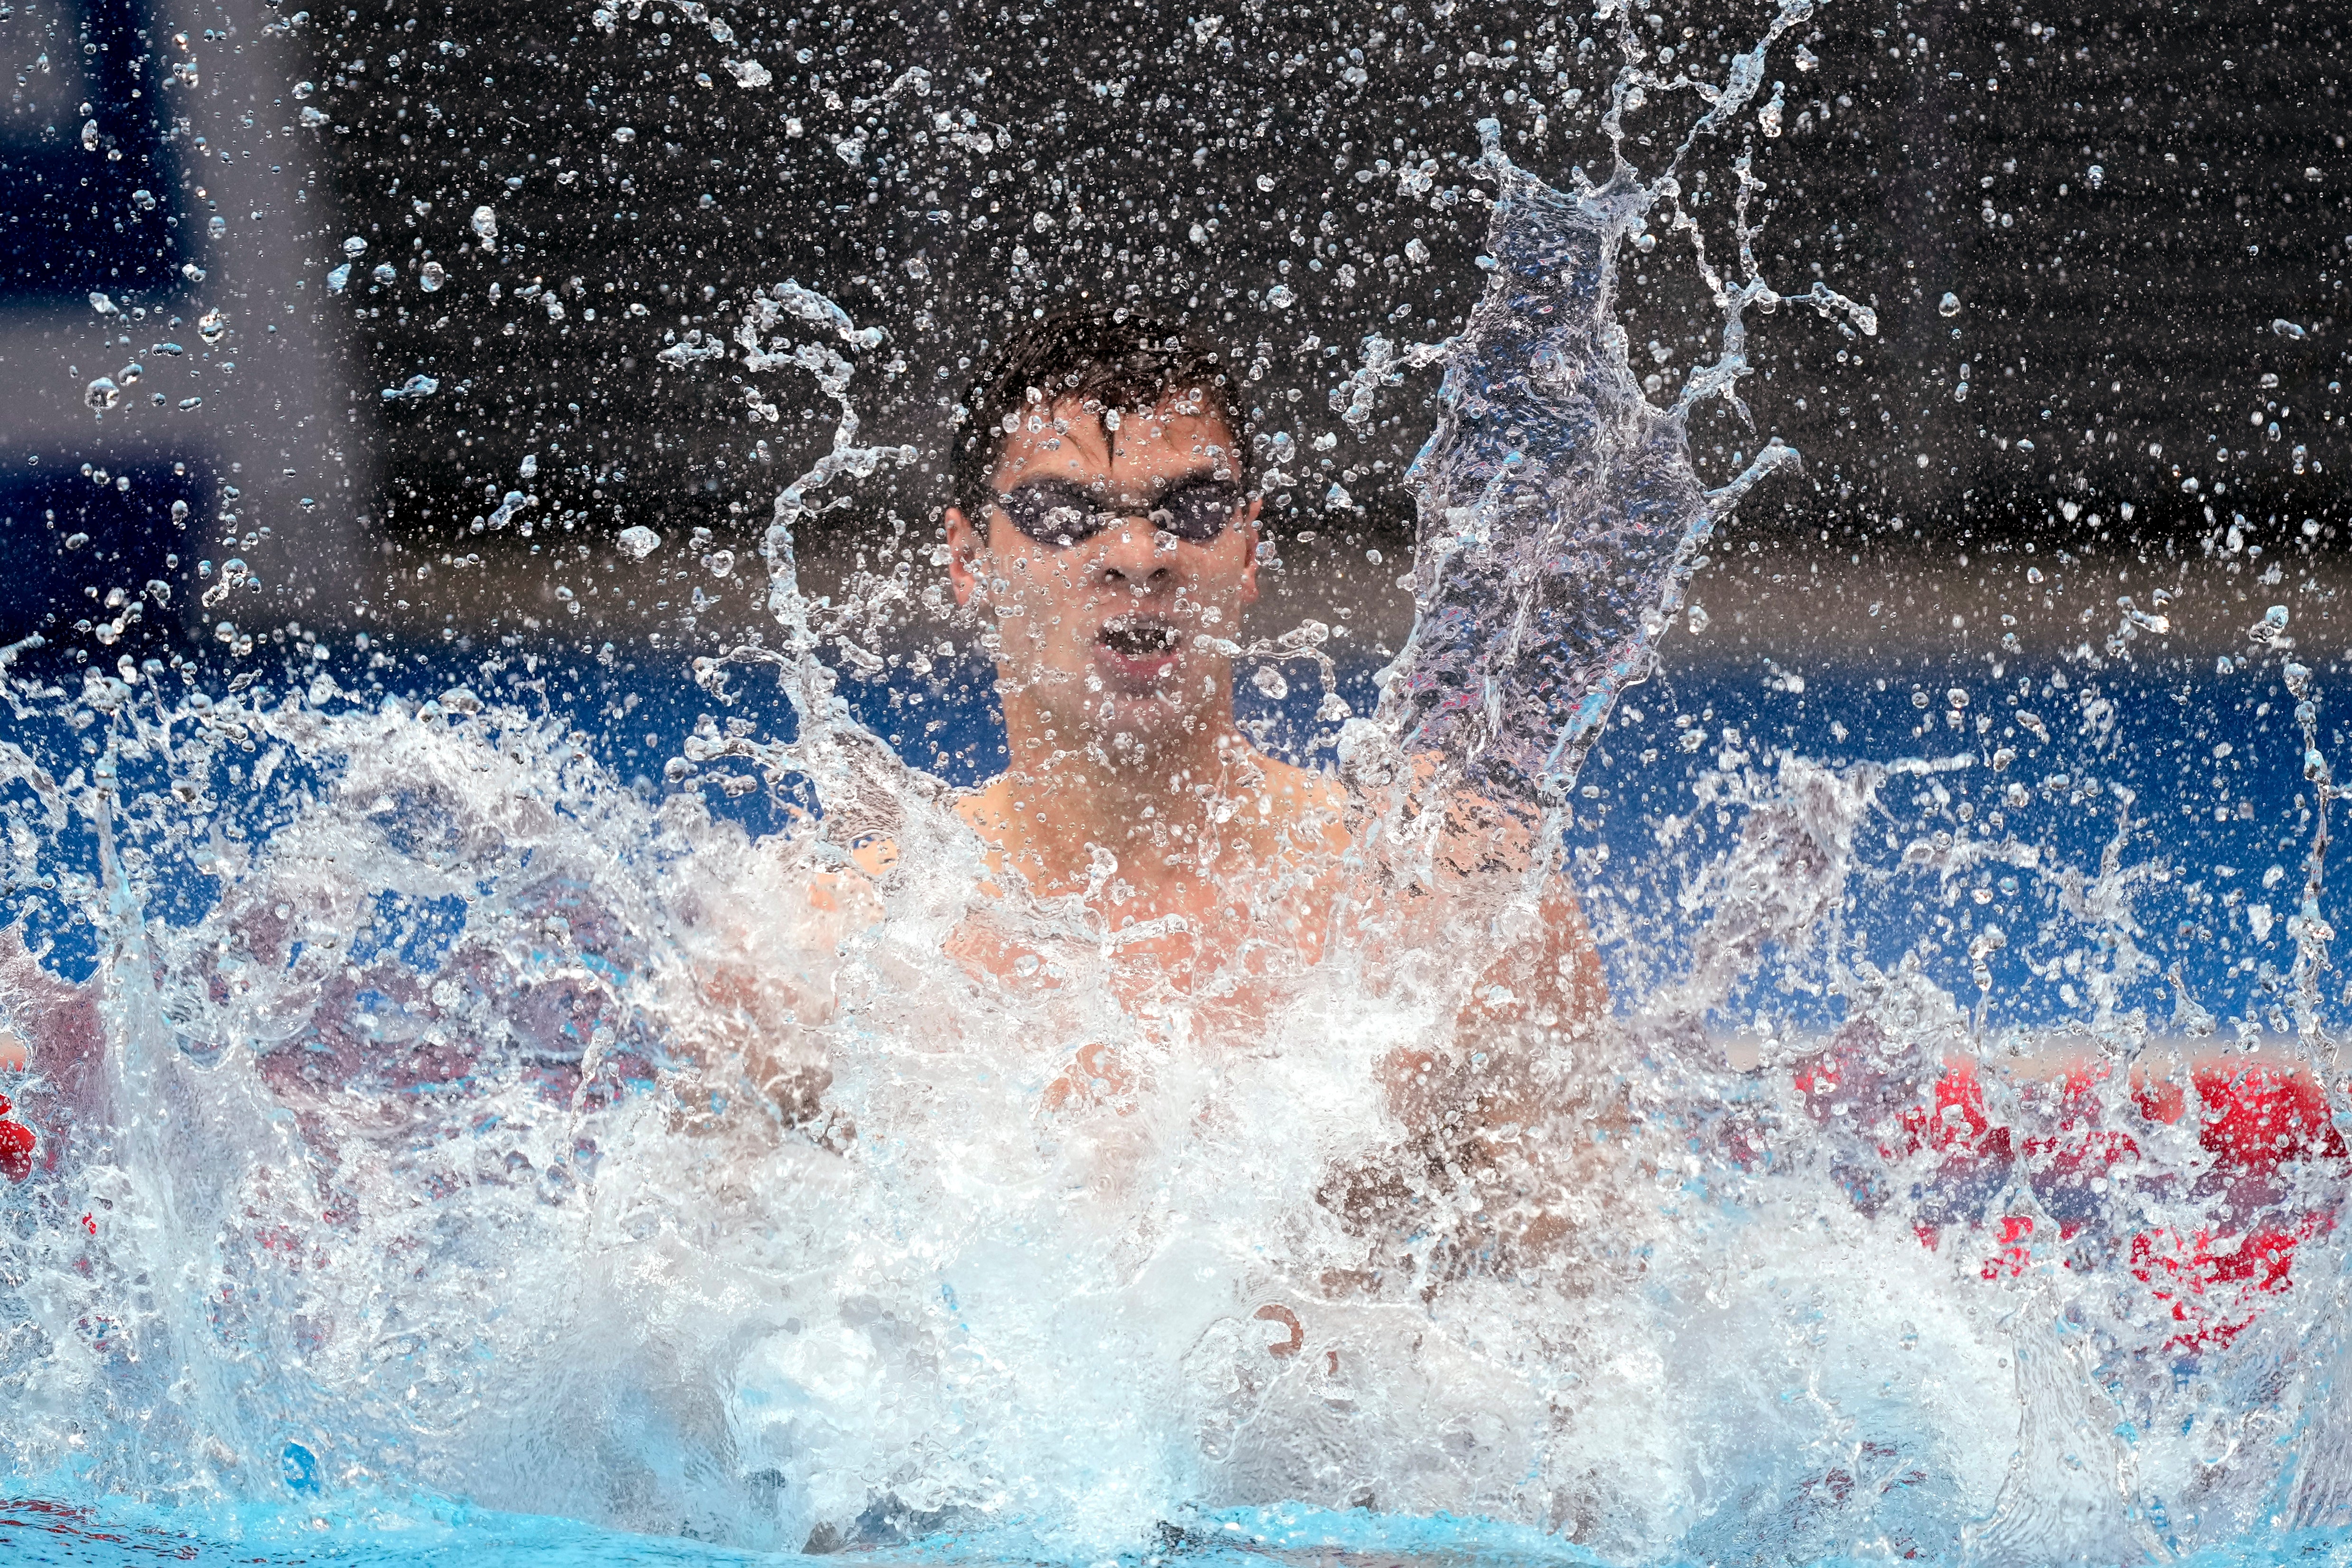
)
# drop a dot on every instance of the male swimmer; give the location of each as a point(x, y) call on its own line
point(1106, 527)
point(1102, 524)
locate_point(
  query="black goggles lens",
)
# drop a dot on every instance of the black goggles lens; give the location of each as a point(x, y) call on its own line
point(1053, 513)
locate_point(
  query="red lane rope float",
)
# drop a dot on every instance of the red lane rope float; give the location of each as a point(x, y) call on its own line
point(16, 1142)
point(2212, 1278)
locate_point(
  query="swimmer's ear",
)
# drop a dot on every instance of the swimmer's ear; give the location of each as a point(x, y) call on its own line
point(1249, 531)
point(964, 550)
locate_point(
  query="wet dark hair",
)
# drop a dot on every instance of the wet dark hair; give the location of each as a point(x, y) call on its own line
point(1118, 358)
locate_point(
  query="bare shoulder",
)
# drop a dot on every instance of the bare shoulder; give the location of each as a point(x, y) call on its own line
point(1303, 802)
point(987, 810)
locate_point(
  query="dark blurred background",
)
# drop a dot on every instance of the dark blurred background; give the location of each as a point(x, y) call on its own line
point(2106, 248)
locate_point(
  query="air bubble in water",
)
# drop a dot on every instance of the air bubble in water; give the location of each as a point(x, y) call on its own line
point(415, 387)
point(1265, 182)
point(485, 222)
point(211, 325)
point(100, 303)
point(1270, 683)
point(529, 467)
point(625, 135)
point(354, 246)
point(102, 393)
point(430, 277)
point(384, 272)
point(143, 200)
point(1281, 297)
point(89, 135)
point(2095, 176)
point(1949, 306)
point(749, 73)
point(2286, 329)
point(638, 542)
point(339, 278)
point(217, 227)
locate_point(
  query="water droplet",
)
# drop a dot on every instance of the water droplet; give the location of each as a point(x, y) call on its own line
point(638, 542)
point(1949, 306)
point(431, 276)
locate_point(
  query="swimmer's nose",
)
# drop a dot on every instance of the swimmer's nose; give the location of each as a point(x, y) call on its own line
point(1131, 558)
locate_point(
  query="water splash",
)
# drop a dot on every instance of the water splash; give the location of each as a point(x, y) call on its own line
point(445, 1115)
point(1559, 511)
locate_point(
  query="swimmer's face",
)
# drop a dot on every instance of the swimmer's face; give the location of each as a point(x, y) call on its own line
point(1101, 638)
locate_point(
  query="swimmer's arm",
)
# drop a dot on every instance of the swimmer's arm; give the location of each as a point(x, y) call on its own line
point(764, 985)
point(1551, 977)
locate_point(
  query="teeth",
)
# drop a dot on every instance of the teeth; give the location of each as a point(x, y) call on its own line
point(1133, 639)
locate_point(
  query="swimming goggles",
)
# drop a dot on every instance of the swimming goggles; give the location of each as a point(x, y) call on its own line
point(1057, 512)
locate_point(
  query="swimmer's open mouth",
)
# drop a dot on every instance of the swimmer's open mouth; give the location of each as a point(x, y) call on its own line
point(1138, 639)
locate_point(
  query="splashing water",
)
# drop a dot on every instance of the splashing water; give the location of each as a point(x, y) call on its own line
point(442, 1119)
